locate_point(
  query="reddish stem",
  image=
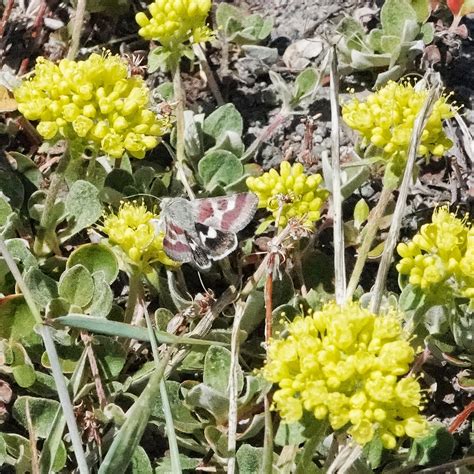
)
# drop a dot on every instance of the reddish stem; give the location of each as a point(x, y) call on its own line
point(39, 20)
point(23, 66)
point(86, 339)
point(461, 418)
point(6, 15)
point(268, 307)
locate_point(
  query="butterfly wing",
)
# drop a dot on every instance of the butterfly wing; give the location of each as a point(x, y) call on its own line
point(175, 243)
point(182, 247)
point(216, 243)
point(226, 213)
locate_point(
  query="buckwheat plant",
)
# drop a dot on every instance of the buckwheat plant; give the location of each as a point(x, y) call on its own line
point(133, 230)
point(349, 366)
point(440, 257)
point(385, 119)
point(91, 103)
point(289, 193)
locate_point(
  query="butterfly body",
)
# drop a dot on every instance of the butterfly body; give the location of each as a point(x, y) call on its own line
point(204, 230)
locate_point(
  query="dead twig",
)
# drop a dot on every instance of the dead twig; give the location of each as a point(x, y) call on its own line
point(87, 340)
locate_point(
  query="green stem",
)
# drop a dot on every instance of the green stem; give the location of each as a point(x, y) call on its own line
point(170, 431)
point(180, 98)
point(370, 233)
point(267, 465)
point(130, 433)
point(58, 376)
point(133, 295)
point(53, 191)
point(47, 223)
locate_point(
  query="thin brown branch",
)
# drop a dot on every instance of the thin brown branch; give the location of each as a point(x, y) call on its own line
point(336, 196)
point(268, 292)
point(399, 211)
point(86, 339)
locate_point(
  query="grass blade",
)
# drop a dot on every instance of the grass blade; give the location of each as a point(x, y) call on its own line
point(399, 211)
point(127, 439)
point(339, 264)
point(170, 431)
point(52, 442)
point(114, 328)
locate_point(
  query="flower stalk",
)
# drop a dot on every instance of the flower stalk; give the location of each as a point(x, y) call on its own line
point(180, 98)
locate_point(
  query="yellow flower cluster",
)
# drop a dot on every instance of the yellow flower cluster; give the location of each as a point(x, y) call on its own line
point(290, 193)
point(92, 101)
point(386, 118)
point(132, 229)
point(440, 258)
point(174, 22)
point(345, 364)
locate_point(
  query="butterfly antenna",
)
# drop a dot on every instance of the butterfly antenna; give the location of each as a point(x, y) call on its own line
point(144, 195)
point(202, 283)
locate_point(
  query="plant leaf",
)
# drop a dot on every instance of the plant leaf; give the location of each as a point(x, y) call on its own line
point(83, 207)
point(217, 368)
point(95, 257)
point(249, 459)
point(42, 413)
point(393, 15)
point(226, 118)
point(219, 167)
point(76, 285)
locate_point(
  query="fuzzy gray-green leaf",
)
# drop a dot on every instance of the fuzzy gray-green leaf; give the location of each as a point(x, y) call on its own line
point(95, 257)
point(42, 413)
point(76, 285)
point(83, 206)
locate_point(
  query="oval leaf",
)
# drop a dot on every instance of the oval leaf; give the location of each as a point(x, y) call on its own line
point(220, 167)
point(76, 285)
point(224, 119)
point(83, 206)
point(42, 413)
point(95, 257)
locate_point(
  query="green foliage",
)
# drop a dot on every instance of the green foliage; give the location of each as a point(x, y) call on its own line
point(83, 207)
point(41, 413)
point(249, 459)
point(300, 94)
point(241, 28)
point(402, 35)
point(434, 449)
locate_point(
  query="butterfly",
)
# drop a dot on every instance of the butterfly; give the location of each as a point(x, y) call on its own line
point(204, 230)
